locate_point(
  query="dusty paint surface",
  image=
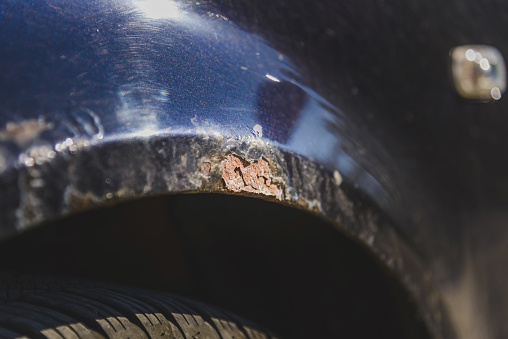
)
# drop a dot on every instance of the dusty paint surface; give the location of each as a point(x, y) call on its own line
point(255, 177)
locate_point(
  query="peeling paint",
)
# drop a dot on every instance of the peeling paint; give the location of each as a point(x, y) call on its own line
point(41, 154)
point(36, 155)
point(25, 131)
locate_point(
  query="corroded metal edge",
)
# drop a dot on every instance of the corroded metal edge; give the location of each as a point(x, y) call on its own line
point(111, 172)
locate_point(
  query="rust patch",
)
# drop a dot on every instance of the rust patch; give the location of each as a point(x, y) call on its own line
point(256, 177)
point(206, 168)
point(25, 131)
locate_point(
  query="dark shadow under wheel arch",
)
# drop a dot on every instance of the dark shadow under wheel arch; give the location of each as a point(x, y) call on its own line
point(273, 264)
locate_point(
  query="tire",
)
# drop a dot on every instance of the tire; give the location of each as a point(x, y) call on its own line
point(35, 307)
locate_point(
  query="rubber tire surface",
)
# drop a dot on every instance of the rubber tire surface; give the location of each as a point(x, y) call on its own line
point(35, 307)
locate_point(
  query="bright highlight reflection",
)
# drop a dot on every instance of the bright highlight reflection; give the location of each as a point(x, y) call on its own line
point(159, 9)
point(470, 55)
point(495, 93)
point(271, 77)
point(484, 64)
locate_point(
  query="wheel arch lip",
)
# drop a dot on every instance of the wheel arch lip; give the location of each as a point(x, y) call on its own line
point(116, 104)
point(111, 73)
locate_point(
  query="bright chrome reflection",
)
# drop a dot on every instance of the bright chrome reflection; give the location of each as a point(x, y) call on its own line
point(479, 72)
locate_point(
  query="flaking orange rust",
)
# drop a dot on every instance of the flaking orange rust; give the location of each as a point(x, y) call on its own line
point(255, 177)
